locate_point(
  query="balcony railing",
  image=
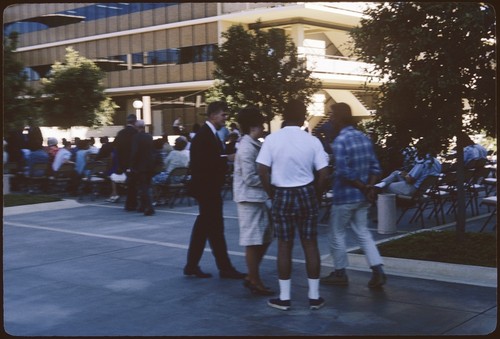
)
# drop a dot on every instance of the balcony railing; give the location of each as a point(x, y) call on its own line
point(337, 65)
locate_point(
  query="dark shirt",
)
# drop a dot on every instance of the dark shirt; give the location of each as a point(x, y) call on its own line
point(123, 144)
point(142, 157)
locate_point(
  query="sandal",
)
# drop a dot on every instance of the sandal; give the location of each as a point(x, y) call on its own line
point(256, 289)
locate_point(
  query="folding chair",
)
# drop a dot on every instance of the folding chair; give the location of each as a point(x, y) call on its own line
point(94, 178)
point(446, 191)
point(474, 186)
point(490, 202)
point(419, 200)
point(37, 177)
point(60, 179)
point(176, 185)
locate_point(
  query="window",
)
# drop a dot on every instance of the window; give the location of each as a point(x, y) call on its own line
point(92, 12)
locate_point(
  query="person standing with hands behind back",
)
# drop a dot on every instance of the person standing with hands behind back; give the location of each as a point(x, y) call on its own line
point(288, 161)
point(356, 170)
point(250, 197)
point(208, 165)
point(142, 164)
point(123, 143)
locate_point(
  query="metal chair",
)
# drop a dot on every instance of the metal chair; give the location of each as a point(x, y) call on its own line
point(490, 202)
point(445, 191)
point(94, 178)
point(37, 177)
point(474, 186)
point(419, 200)
point(61, 178)
point(176, 185)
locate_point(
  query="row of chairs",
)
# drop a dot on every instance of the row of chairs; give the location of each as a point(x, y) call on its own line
point(437, 192)
point(175, 188)
point(41, 178)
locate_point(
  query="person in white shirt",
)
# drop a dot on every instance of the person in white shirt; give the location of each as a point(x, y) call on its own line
point(287, 164)
point(62, 156)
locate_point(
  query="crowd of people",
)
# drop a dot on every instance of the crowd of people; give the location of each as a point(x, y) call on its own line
point(272, 200)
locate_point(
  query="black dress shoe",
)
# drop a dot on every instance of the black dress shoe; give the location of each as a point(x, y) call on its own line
point(197, 272)
point(231, 274)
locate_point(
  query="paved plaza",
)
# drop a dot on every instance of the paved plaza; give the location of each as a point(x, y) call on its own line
point(88, 268)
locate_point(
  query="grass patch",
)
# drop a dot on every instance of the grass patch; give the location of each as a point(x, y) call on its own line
point(10, 200)
point(477, 249)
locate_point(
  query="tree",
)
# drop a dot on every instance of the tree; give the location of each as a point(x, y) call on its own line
point(261, 68)
point(75, 95)
point(19, 110)
point(434, 55)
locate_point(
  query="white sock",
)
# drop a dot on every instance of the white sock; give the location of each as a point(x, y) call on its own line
point(313, 288)
point(285, 289)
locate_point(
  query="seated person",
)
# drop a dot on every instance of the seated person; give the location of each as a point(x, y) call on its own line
point(403, 183)
point(62, 156)
point(179, 157)
point(473, 151)
point(36, 156)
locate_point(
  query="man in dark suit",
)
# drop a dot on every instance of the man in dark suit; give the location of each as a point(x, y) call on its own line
point(208, 165)
point(142, 166)
point(123, 144)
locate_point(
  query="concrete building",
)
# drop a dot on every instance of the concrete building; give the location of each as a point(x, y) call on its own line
point(160, 53)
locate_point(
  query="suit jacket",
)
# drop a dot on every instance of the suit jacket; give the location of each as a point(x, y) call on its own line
point(142, 157)
point(208, 168)
point(123, 144)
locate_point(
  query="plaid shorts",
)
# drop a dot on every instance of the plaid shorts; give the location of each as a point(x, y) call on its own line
point(295, 207)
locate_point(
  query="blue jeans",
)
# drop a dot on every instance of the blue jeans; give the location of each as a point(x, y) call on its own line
point(355, 215)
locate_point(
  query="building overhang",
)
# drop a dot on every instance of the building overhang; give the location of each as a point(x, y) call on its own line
point(161, 88)
point(315, 14)
point(56, 20)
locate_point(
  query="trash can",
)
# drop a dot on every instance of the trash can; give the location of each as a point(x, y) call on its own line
point(386, 210)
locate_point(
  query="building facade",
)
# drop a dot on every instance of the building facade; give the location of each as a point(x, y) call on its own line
point(161, 53)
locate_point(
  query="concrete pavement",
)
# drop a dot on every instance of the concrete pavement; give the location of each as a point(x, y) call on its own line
point(92, 269)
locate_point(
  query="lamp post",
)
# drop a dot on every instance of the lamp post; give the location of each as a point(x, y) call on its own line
point(137, 105)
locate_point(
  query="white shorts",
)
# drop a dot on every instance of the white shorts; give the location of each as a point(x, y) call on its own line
point(255, 228)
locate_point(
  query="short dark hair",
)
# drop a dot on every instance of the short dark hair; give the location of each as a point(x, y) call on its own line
point(249, 117)
point(342, 113)
point(217, 106)
point(295, 111)
point(131, 118)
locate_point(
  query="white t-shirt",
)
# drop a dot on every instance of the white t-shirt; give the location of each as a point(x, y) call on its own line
point(61, 157)
point(292, 154)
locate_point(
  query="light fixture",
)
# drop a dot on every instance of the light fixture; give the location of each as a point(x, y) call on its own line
point(137, 105)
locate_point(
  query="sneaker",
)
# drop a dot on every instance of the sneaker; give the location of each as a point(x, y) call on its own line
point(316, 304)
point(380, 185)
point(335, 278)
point(283, 305)
point(378, 279)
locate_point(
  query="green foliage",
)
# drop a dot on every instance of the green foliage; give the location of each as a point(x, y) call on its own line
point(75, 93)
point(260, 67)
point(10, 200)
point(434, 55)
point(473, 249)
point(19, 109)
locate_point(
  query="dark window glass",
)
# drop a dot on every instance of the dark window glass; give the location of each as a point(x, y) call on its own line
point(92, 12)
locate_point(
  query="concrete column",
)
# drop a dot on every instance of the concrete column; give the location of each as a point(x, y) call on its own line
point(297, 35)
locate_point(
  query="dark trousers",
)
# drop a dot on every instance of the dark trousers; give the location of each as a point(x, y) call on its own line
point(209, 225)
point(144, 190)
point(131, 200)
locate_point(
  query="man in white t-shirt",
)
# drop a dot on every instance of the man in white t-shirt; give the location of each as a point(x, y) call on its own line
point(287, 163)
